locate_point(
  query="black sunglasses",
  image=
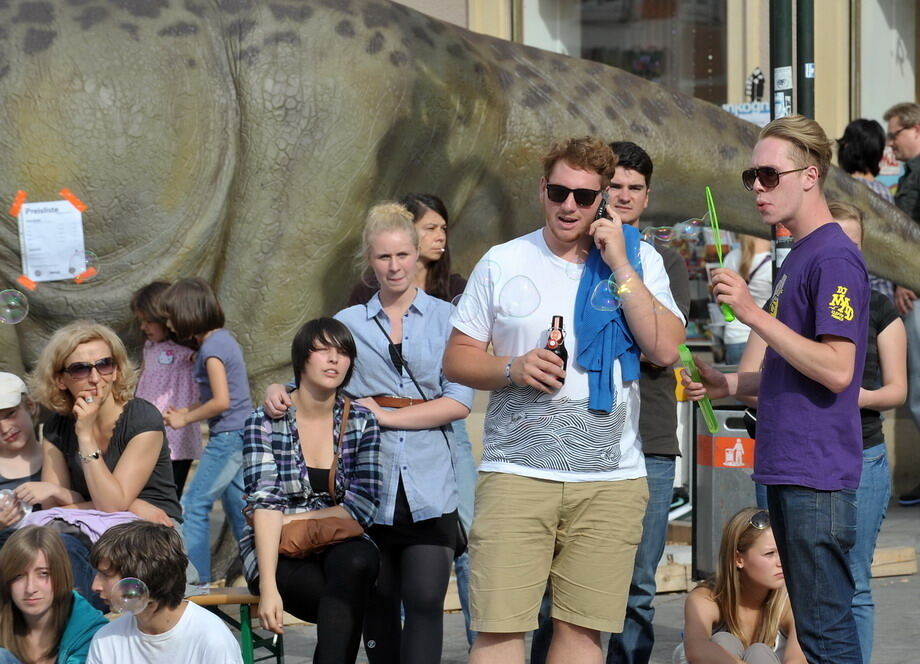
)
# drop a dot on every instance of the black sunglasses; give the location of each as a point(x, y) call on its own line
point(583, 197)
point(81, 370)
point(768, 176)
point(760, 520)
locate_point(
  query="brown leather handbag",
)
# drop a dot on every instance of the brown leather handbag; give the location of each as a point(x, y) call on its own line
point(304, 537)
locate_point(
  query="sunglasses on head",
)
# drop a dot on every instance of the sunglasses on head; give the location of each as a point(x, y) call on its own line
point(80, 370)
point(583, 197)
point(768, 176)
point(760, 520)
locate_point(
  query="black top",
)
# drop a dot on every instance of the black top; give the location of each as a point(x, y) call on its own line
point(319, 479)
point(363, 292)
point(138, 417)
point(12, 483)
point(881, 314)
point(658, 414)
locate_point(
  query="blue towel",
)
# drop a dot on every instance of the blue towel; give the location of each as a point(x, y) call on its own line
point(604, 336)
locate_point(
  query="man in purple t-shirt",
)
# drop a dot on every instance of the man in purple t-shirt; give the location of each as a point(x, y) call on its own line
point(809, 441)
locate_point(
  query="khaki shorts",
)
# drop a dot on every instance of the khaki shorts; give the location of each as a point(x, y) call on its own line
point(582, 536)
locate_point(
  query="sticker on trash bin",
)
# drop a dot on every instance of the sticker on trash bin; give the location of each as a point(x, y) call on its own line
point(725, 452)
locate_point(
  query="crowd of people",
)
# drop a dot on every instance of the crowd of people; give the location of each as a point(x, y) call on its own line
point(352, 489)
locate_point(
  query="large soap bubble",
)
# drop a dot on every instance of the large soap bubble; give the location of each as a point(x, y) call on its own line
point(14, 306)
point(129, 595)
point(604, 297)
point(519, 297)
point(84, 266)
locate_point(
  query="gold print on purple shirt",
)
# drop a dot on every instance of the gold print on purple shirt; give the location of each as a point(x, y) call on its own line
point(773, 304)
point(840, 305)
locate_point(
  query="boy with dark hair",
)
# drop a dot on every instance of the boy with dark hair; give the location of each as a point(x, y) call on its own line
point(170, 628)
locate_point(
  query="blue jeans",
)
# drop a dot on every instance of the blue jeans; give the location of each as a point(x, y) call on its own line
point(815, 531)
point(634, 644)
point(760, 490)
point(871, 502)
point(7, 658)
point(465, 470)
point(733, 352)
point(912, 327)
point(219, 475)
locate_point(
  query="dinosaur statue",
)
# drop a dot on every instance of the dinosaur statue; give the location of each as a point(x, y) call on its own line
point(243, 141)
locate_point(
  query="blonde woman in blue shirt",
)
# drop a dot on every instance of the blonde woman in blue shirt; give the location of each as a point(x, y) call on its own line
point(402, 332)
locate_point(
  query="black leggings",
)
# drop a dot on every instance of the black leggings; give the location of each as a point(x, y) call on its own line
point(415, 576)
point(180, 469)
point(331, 589)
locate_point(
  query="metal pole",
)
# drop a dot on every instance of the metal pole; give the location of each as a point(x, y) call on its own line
point(805, 60)
point(781, 57)
point(781, 102)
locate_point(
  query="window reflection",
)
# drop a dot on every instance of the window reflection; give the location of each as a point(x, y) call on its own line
point(679, 44)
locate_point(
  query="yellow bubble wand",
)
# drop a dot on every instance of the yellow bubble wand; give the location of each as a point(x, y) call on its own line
point(727, 312)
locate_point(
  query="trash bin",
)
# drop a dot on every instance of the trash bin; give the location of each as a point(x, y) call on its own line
point(722, 484)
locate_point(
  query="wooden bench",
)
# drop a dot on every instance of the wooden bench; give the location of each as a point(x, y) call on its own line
point(215, 598)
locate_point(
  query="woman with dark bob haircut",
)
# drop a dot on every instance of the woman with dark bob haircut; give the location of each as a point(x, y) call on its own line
point(287, 464)
point(859, 152)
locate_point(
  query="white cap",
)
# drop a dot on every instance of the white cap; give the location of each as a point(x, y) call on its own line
point(11, 390)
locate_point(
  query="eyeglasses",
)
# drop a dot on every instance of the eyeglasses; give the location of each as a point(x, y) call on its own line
point(81, 370)
point(768, 176)
point(891, 135)
point(760, 520)
point(583, 197)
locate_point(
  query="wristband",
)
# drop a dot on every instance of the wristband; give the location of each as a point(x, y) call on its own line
point(86, 458)
point(508, 372)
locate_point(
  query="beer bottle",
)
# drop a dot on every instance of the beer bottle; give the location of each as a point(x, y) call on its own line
point(556, 342)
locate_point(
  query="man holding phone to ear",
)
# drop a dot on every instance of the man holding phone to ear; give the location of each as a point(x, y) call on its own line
point(561, 492)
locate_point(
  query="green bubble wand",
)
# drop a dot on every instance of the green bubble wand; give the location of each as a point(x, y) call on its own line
point(727, 312)
point(686, 357)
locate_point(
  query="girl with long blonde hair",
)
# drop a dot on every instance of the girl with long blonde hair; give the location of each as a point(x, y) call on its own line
point(742, 613)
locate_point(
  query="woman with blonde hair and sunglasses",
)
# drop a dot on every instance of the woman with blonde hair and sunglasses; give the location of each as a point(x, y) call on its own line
point(42, 619)
point(741, 614)
point(102, 449)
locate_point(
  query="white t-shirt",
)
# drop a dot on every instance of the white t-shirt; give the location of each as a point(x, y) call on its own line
point(510, 299)
point(199, 636)
point(760, 285)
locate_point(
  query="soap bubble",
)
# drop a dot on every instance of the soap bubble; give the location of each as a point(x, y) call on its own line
point(14, 306)
point(488, 272)
point(519, 297)
point(625, 289)
point(84, 265)
point(604, 296)
point(689, 229)
point(7, 495)
point(129, 595)
point(660, 234)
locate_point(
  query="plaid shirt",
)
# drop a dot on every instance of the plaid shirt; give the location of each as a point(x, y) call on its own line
point(276, 475)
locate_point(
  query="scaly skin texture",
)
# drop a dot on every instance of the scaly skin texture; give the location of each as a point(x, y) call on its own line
point(244, 140)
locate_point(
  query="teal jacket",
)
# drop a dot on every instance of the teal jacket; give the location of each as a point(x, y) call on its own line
point(85, 621)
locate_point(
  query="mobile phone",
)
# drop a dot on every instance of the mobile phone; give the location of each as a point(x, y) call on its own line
point(602, 208)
